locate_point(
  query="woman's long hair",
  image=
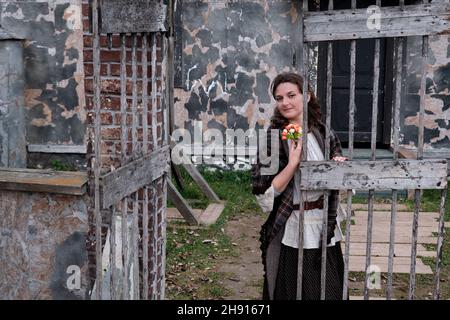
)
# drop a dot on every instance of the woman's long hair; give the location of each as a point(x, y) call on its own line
point(314, 113)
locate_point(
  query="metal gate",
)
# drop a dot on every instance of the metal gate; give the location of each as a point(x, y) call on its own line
point(129, 236)
point(398, 22)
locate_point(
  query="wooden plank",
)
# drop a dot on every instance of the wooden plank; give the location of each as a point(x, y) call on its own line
point(38, 180)
point(376, 80)
point(134, 112)
point(133, 176)
point(422, 96)
point(201, 182)
point(181, 204)
point(123, 16)
point(97, 150)
point(163, 239)
point(399, 45)
point(369, 243)
point(352, 106)
point(135, 245)
point(144, 93)
point(440, 242)
point(57, 148)
point(323, 264)
point(329, 95)
point(389, 290)
point(112, 258)
point(154, 89)
point(126, 262)
point(154, 241)
point(123, 98)
point(413, 20)
point(377, 175)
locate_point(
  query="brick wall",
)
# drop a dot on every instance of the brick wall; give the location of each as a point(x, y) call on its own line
point(111, 132)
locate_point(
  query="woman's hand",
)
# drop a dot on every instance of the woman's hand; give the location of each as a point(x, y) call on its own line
point(340, 159)
point(295, 154)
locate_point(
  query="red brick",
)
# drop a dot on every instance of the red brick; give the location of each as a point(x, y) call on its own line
point(87, 41)
point(109, 56)
point(110, 133)
point(85, 11)
point(88, 55)
point(86, 25)
point(106, 118)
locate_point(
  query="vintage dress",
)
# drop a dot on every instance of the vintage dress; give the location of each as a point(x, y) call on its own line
point(313, 218)
point(273, 229)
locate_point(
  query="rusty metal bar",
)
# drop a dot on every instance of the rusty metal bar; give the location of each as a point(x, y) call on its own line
point(440, 243)
point(145, 150)
point(323, 266)
point(97, 159)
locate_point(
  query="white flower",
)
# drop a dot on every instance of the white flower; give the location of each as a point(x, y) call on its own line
point(291, 130)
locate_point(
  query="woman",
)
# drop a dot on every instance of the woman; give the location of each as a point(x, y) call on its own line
point(276, 194)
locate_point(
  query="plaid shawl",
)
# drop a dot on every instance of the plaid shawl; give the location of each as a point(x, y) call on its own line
point(283, 204)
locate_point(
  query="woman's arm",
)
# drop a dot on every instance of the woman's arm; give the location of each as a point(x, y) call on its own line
point(282, 179)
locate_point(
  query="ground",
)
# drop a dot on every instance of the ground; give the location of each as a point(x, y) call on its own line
point(223, 261)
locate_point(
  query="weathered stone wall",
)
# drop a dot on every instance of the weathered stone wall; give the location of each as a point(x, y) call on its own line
point(54, 86)
point(437, 100)
point(42, 246)
point(227, 54)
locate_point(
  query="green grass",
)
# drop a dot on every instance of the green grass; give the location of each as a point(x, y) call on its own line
point(189, 259)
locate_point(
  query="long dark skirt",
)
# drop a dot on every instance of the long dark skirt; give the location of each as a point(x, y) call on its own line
point(286, 282)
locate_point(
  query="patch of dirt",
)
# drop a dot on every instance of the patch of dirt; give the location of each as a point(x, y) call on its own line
point(244, 273)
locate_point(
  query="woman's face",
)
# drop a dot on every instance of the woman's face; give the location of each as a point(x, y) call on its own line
point(289, 101)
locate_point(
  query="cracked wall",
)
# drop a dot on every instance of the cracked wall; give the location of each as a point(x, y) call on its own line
point(43, 246)
point(227, 54)
point(53, 62)
point(437, 99)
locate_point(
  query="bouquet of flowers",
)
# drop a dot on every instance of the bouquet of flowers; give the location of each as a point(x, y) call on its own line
point(292, 132)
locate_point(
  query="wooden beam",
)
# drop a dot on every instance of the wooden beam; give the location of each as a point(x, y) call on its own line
point(117, 184)
point(35, 180)
point(57, 148)
point(181, 204)
point(377, 175)
point(201, 182)
point(413, 20)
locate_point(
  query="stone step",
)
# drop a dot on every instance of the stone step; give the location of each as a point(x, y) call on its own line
point(376, 206)
point(205, 217)
point(401, 264)
point(382, 249)
point(402, 239)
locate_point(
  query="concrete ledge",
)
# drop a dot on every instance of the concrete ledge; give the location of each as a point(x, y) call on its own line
point(50, 181)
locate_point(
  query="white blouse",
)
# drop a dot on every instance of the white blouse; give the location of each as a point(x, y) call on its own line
point(313, 218)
